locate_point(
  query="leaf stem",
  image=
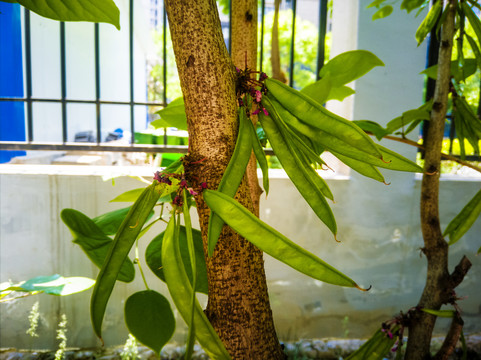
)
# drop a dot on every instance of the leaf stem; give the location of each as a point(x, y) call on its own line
point(137, 261)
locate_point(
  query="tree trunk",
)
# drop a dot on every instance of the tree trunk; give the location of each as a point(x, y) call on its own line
point(238, 305)
point(244, 54)
point(438, 288)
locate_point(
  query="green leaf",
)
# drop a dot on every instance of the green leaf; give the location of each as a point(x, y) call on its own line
point(181, 292)
point(349, 66)
point(440, 313)
point(261, 135)
point(429, 22)
point(296, 169)
point(464, 220)
point(319, 90)
point(150, 319)
point(171, 116)
point(421, 113)
point(299, 147)
point(473, 20)
point(76, 10)
point(177, 101)
point(463, 346)
point(153, 257)
point(233, 175)
point(340, 93)
point(316, 116)
point(189, 347)
point(93, 241)
point(410, 5)
point(375, 3)
point(260, 156)
point(57, 285)
point(373, 127)
point(475, 48)
point(382, 12)
point(459, 74)
point(176, 167)
point(129, 196)
point(273, 242)
point(397, 162)
point(361, 167)
point(110, 222)
point(375, 348)
point(124, 239)
point(467, 124)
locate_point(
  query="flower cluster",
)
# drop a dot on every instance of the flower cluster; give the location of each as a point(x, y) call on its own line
point(163, 177)
point(250, 91)
point(183, 185)
point(395, 327)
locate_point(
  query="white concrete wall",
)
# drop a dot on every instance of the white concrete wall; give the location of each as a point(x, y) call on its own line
point(378, 228)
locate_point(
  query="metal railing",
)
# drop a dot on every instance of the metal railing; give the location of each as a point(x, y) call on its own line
point(29, 100)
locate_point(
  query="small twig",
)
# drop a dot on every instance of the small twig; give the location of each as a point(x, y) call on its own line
point(443, 155)
point(451, 339)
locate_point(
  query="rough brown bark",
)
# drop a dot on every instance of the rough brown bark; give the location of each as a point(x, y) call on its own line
point(238, 305)
point(438, 288)
point(244, 54)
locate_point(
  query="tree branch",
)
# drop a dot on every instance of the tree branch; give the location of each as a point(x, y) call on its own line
point(420, 146)
point(451, 339)
point(460, 271)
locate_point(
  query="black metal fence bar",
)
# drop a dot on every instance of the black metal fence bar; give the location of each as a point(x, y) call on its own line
point(63, 81)
point(101, 102)
point(28, 75)
point(321, 38)
point(164, 61)
point(75, 146)
point(131, 70)
point(141, 148)
point(97, 82)
point(230, 28)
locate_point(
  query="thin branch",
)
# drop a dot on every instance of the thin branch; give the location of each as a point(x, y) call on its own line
point(460, 271)
point(443, 155)
point(451, 339)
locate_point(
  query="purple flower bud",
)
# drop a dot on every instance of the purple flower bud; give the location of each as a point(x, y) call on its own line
point(203, 185)
point(192, 192)
point(177, 201)
point(256, 111)
point(237, 69)
point(157, 176)
point(265, 112)
point(258, 96)
point(183, 184)
point(241, 102)
point(262, 76)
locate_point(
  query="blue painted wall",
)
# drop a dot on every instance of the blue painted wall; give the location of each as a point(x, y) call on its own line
point(12, 114)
